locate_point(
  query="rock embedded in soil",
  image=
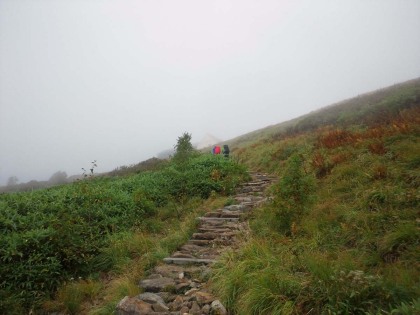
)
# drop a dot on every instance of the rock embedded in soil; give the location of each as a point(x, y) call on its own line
point(157, 285)
point(217, 308)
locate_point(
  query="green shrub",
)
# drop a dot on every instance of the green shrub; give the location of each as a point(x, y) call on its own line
point(294, 195)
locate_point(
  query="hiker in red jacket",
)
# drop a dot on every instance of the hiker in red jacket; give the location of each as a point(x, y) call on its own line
point(216, 150)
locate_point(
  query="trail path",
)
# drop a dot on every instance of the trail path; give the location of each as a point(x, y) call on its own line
point(178, 285)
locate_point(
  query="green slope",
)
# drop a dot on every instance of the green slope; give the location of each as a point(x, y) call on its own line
point(342, 234)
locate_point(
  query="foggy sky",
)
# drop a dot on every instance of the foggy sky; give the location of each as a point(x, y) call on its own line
point(119, 81)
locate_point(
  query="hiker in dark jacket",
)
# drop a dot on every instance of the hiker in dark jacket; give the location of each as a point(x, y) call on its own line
point(226, 150)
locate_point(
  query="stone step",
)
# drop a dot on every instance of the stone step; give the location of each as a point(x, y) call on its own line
point(209, 236)
point(209, 219)
point(250, 190)
point(187, 261)
point(255, 183)
point(200, 242)
point(230, 214)
point(233, 226)
point(182, 255)
point(191, 248)
point(212, 214)
point(249, 198)
point(214, 230)
point(239, 207)
point(205, 236)
point(248, 204)
point(205, 253)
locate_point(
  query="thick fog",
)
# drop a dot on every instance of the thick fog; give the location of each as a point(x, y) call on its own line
point(118, 81)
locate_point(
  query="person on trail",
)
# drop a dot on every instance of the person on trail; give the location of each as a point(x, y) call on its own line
point(226, 150)
point(217, 149)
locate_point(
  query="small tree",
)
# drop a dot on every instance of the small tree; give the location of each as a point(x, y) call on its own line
point(183, 150)
point(12, 181)
point(58, 178)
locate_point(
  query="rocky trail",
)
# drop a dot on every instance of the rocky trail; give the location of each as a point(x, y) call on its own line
point(178, 286)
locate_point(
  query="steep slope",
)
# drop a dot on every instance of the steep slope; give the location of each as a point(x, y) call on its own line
point(367, 109)
point(342, 235)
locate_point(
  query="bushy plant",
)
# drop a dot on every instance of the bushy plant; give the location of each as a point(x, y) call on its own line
point(293, 194)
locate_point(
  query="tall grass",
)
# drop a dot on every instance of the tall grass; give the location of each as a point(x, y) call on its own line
point(341, 235)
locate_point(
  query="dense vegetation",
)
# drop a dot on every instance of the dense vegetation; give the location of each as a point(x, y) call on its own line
point(81, 230)
point(342, 234)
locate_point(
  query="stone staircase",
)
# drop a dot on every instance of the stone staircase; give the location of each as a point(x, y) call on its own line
point(178, 286)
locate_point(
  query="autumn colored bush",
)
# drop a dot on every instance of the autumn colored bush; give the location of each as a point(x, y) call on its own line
point(336, 138)
point(377, 147)
point(320, 164)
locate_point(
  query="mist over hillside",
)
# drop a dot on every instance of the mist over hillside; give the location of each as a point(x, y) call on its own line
point(368, 108)
point(118, 81)
point(339, 233)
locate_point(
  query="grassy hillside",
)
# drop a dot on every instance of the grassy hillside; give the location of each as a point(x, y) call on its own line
point(342, 234)
point(367, 109)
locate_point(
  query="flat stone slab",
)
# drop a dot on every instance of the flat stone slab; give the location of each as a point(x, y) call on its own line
point(212, 214)
point(200, 242)
point(205, 236)
point(182, 255)
point(255, 183)
point(186, 261)
point(230, 214)
point(217, 219)
point(177, 271)
point(214, 230)
point(150, 298)
point(157, 285)
point(191, 248)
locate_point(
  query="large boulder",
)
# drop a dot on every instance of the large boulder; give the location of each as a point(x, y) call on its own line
point(132, 306)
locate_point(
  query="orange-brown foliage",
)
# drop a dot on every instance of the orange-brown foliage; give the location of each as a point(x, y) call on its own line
point(339, 158)
point(336, 138)
point(407, 120)
point(239, 151)
point(380, 172)
point(374, 132)
point(321, 166)
point(377, 148)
